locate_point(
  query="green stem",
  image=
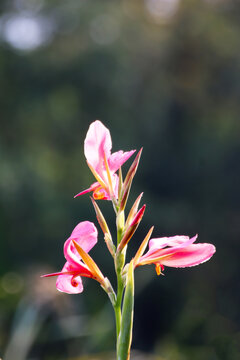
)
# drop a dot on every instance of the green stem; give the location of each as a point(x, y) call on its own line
point(119, 264)
point(118, 316)
point(125, 335)
point(118, 304)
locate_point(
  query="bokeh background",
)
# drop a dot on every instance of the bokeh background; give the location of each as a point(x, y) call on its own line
point(162, 74)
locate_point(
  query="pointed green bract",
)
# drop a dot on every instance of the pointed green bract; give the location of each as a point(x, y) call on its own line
point(120, 183)
point(133, 168)
point(128, 180)
point(133, 210)
point(101, 220)
point(131, 229)
point(125, 335)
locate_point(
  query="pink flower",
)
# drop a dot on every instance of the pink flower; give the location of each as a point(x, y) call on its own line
point(176, 251)
point(103, 164)
point(69, 279)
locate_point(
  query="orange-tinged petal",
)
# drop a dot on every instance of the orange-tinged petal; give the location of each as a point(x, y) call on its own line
point(158, 269)
point(142, 246)
point(90, 263)
point(100, 194)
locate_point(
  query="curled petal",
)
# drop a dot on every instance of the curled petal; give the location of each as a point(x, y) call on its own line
point(190, 256)
point(71, 284)
point(85, 234)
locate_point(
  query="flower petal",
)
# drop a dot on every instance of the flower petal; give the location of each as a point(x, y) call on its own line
point(101, 194)
point(69, 283)
point(97, 143)
point(93, 187)
point(160, 243)
point(85, 234)
point(175, 243)
point(90, 263)
point(117, 159)
point(190, 256)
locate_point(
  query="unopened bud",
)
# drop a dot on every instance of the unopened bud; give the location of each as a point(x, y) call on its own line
point(132, 228)
point(128, 180)
point(101, 220)
point(133, 169)
point(133, 211)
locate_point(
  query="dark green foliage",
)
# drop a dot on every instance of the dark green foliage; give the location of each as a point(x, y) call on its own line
point(170, 86)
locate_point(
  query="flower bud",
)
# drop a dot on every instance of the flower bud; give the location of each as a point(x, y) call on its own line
point(131, 229)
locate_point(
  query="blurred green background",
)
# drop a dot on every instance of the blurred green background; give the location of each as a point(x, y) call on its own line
point(162, 74)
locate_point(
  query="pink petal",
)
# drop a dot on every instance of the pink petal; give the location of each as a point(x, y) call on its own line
point(115, 181)
point(190, 256)
point(118, 158)
point(102, 193)
point(97, 143)
point(92, 188)
point(160, 243)
point(69, 283)
point(85, 234)
point(179, 242)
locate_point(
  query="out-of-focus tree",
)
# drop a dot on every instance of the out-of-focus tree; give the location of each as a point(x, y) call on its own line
point(163, 74)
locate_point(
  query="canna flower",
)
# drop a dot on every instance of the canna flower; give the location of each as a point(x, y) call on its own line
point(76, 247)
point(103, 164)
point(176, 251)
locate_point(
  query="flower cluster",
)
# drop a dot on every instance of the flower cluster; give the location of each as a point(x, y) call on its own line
point(177, 251)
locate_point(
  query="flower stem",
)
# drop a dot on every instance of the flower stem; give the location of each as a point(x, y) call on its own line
point(118, 316)
point(120, 289)
point(119, 264)
point(125, 334)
